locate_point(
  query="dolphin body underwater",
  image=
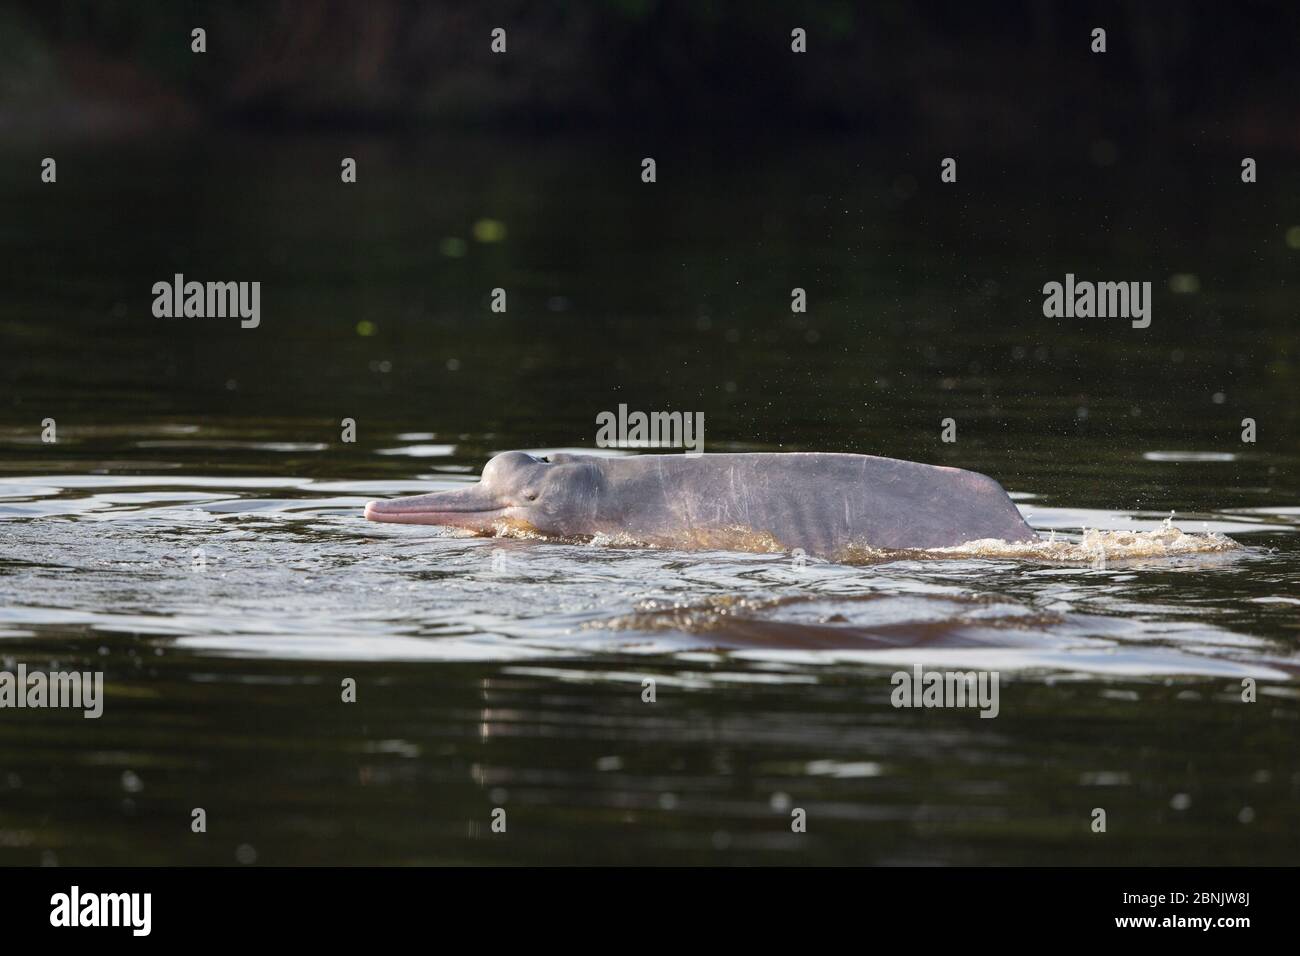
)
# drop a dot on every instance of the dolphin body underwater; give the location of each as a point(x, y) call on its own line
point(824, 504)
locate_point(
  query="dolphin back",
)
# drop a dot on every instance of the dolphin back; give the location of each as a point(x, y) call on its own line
point(820, 502)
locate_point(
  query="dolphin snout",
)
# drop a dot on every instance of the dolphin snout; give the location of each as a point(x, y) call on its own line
point(470, 508)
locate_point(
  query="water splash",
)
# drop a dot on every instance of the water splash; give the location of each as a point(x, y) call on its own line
point(1093, 547)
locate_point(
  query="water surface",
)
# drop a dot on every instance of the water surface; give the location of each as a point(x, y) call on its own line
point(196, 530)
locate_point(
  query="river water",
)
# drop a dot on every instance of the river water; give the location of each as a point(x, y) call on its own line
point(195, 531)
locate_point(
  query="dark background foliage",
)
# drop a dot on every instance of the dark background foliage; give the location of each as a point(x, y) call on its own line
point(1008, 71)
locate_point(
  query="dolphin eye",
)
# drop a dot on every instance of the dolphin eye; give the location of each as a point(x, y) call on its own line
point(530, 495)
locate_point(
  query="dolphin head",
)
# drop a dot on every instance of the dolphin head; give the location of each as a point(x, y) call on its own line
point(557, 496)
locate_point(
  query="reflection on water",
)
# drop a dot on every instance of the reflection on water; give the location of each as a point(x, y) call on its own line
point(196, 531)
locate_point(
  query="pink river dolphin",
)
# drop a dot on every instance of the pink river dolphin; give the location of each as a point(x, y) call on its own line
point(824, 504)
